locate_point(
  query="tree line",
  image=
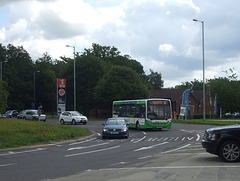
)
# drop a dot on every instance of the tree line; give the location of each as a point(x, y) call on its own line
point(102, 76)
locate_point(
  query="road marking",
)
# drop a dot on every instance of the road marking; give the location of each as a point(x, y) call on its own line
point(140, 139)
point(75, 143)
point(176, 149)
point(169, 167)
point(84, 147)
point(189, 138)
point(9, 164)
point(26, 151)
point(198, 137)
point(186, 131)
point(150, 147)
point(120, 163)
point(145, 157)
point(84, 153)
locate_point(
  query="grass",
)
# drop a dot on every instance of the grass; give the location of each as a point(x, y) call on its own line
point(207, 121)
point(15, 133)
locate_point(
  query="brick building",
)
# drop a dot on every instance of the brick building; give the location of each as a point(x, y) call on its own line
point(195, 100)
point(175, 95)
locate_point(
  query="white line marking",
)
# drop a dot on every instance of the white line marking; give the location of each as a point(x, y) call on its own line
point(189, 138)
point(27, 151)
point(186, 131)
point(198, 137)
point(170, 167)
point(149, 147)
point(145, 157)
point(84, 153)
point(140, 139)
point(9, 164)
point(176, 149)
point(120, 163)
point(75, 143)
point(84, 147)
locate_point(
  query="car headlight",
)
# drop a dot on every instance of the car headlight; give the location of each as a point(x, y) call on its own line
point(104, 130)
point(124, 129)
point(212, 136)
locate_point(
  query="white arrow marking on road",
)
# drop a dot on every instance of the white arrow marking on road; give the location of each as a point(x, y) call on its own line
point(9, 164)
point(84, 147)
point(82, 141)
point(149, 147)
point(84, 153)
point(26, 151)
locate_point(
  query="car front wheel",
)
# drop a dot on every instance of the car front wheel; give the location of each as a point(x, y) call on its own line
point(73, 122)
point(61, 121)
point(230, 151)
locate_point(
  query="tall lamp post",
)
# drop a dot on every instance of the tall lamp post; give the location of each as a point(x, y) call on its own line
point(34, 84)
point(1, 67)
point(204, 113)
point(74, 76)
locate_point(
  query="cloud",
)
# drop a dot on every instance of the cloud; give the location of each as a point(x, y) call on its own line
point(158, 33)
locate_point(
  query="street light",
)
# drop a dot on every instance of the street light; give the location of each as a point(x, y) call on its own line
point(74, 76)
point(204, 114)
point(34, 86)
point(1, 67)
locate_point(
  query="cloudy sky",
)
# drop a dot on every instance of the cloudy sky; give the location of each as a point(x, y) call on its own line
point(160, 34)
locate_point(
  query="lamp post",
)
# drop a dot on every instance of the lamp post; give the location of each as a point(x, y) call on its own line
point(74, 76)
point(204, 114)
point(1, 67)
point(34, 84)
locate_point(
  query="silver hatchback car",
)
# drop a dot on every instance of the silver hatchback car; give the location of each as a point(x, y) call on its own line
point(33, 115)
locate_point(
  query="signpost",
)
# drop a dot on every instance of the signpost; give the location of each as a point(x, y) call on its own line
point(61, 95)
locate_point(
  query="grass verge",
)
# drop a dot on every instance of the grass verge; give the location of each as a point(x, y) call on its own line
point(208, 121)
point(15, 133)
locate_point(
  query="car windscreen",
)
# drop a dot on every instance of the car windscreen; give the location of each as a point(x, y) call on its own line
point(115, 122)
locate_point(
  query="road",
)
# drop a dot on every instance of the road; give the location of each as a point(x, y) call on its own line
point(174, 154)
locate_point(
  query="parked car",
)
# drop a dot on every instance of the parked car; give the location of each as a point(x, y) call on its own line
point(2, 116)
point(223, 141)
point(33, 115)
point(11, 113)
point(72, 117)
point(21, 114)
point(115, 127)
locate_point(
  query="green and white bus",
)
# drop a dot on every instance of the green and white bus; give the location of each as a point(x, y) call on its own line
point(145, 113)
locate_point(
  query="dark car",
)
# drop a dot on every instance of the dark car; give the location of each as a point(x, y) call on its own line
point(11, 113)
point(223, 141)
point(115, 127)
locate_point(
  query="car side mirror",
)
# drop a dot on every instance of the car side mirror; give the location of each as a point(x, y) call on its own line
point(103, 124)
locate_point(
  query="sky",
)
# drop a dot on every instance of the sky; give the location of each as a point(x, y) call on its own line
point(160, 34)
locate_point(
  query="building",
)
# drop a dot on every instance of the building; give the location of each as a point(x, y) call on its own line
point(175, 95)
point(195, 100)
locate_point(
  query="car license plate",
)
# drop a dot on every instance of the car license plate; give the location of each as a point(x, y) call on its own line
point(113, 132)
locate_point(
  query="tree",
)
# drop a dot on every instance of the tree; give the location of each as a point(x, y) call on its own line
point(18, 73)
point(118, 84)
point(3, 96)
point(227, 91)
point(193, 85)
point(155, 80)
